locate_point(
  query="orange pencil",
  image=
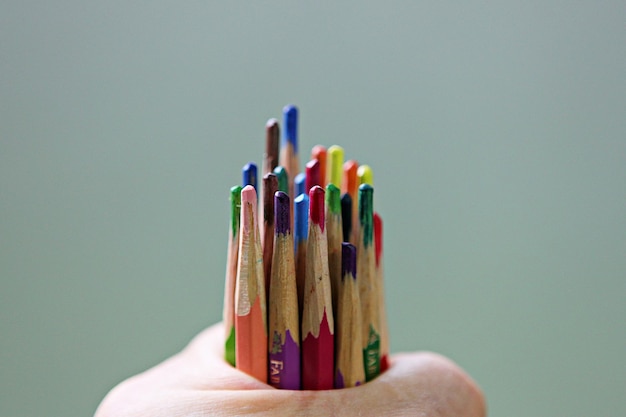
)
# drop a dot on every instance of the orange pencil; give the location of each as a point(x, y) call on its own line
point(231, 274)
point(250, 308)
point(318, 327)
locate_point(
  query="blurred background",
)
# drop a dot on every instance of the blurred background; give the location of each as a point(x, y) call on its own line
point(497, 135)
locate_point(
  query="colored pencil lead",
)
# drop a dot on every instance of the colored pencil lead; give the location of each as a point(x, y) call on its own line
point(366, 175)
point(289, 144)
point(249, 175)
point(312, 174)
point(300, 184)
point(283, 180)
point(272, 146)
point(319, 152)
point(346, 216)
point(335, 165)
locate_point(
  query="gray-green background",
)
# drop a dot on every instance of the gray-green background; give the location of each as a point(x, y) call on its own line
point(497, 134)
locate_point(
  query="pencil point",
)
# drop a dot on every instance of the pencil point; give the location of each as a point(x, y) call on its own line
point(312, 178)
point(378, 237)
point(235, 207)
point(333, 199)
point(290, 123)
point(335, 164)
point(300, 183)
point(316, 206)
point(249, 174)
point(346, 216)
point(282, 213)
point(283, 179)
point(348, 260)
point(301, 218)
point(366, 212)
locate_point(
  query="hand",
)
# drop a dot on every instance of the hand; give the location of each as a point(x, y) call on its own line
point(198, 382)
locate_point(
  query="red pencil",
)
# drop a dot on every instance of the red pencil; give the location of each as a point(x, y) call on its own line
point(384, 327)
point(317, 316)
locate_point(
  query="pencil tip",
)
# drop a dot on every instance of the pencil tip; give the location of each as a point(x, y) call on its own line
point(333, 198)
point(290, 123)
point(316, 206)
point(282, 215)
point(348, 260)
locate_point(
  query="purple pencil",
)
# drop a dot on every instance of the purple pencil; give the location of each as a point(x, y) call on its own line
point(284, 330)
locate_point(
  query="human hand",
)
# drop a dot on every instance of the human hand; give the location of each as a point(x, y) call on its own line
point(198, 382)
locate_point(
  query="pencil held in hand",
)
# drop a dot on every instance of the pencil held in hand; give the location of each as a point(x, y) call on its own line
point(250, 307)
point(317, 313)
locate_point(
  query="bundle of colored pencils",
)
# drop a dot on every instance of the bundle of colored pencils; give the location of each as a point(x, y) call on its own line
point(304, 302)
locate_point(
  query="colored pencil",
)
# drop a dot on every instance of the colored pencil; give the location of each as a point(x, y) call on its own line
point(283, 179)
point(231, 274)
point(367, 284)
point(250, 307)
point(346, 216)
point(301, 233)
point(312, 179)
point(350, 185)
point(317, 313)
point(270, 186)
point(319, 152)
point(384, 327)
point(299, 184)
point(249, 175)
point(334, 233)
point(335, 165)
point(349, 370)
point(365, 175)
point(272, 146)
point(284, 326)
point(289, 145)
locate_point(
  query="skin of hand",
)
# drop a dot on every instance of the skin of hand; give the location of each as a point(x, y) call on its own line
point(198, 382)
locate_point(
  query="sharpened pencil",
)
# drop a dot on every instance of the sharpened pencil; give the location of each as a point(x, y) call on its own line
point(319, 152)
point(334, 233)
point(349, 370)
point(317, 313)
point(367, 284)
point(284, 325)
point(270, 186)
point(380, 284)
point(231, 274)
point(250, 307)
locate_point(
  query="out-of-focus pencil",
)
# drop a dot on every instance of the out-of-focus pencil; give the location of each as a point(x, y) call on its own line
point(368, 294)
point(301, 233)
point(319, 152)
point(283, 179)
point(270, 186)
point(380, 284)
point(349, 367)
point(317, 314)
point(249, 175)
point(289, 144)
point(350, 185)
point(334, 233)
point(284, 325)
point(346, 216)
point(231, 274)
point(312, 170)
point(250, 307)
point(335, 166)
point(300, 184)
point(272, 148)
point(365, 175)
